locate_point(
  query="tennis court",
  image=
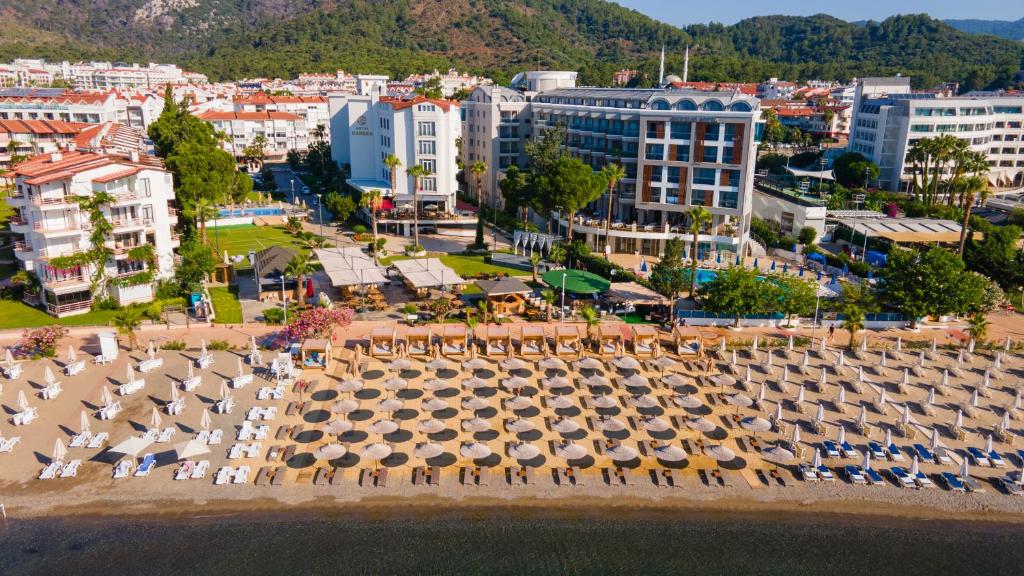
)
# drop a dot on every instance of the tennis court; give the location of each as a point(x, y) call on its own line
point(239, 240)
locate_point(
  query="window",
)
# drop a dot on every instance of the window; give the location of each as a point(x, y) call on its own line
point(727, 154)
point(427, 128)
point(710, 154)
point(428, 147)
point(425, 108)
point(920, 128)
point(713, 106)
point(673, 174)
point(704, 176)
point(730, 132)
point(686, 105)
point(655, 152)
point(728, 199)
point(711, 131)
point(682, 130)
point(429, 184)
point(655, 129)
point(430, 165)
point(659, 105)
point(699, 197)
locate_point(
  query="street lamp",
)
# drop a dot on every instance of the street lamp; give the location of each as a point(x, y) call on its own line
point(320, 212)
point(561, 313)
point(292, 199)
point(817, 301)
point(284, 300)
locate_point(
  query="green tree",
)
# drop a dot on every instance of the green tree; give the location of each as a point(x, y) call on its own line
point(577, 186)
point(592, 318)
point(392, 163)
point(417, 172)
point(431, 88)
point(127, 321)
point(1016, 217)
point(855, 302)
point(200, 210)
point(557, 253)
point(996, 254)
point(373, 199)
point(807, 235)
point(796, 296)
point(256, 152)
point(933, 283)
point(341, 206)
point(699, 219)
point(294, 159)
point(668, 275)
point(850, 168)
point(773, 129)
point(977, 326)
point(478, 169)
point(514, 190)
point(736, 291)
point(197, 263)
point(299, 267)
point(535, 263)
point(548, 296)
point(612, 174)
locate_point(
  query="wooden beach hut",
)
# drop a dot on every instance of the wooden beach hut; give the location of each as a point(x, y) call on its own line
point(687, 340)
point(645, 341)
point(532, 342)
point(316, 354)
point(567, 341)
point(455, 340)
point(382, 342)
point(418, 341)
point(497, 341)
point(609, 339)
point(505, 296)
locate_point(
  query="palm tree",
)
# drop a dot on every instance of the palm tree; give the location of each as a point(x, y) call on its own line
point(320, 132)
point(417, 172)
point(699, 218)
point(201, 210)
point(591, 316)
point(127, 321)
point(977, 326)
point(975, 164)
point(299, 268)
point(613, 174)
point(482, 306)
point(535, 261)
point(392, 162)
point(373, 199)
point(478, 169)
point(853, 323)
point(548, 296)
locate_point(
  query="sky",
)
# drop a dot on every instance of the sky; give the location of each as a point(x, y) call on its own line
point(702, 11)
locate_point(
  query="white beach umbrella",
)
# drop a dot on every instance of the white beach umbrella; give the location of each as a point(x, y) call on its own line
point(395, 384)
point(664, 363)
point(130, 374)
point(905, 415)
point(770, 360)
point(570, 451)
point(241, 368)
point(762, 393)
point(748, 374)
point(669, 453)
point(700, 424)
point(399, 364)
point(154, 419)
point(474, 364)
point(376, 451)
point(425, 450)
point(509, 364)
point(383, 426)
point(915, 466)
point(722, 345)
point(604, 401)
point(823, 380)
point(518, 403)
point(739, 400)
point(686, 401)
point(785, 372)
point(435, 404)
point(350, 385)
point(59, 451)
point(816, 460)
point(48, 376)
point(777, 455)
point(438, 364)
point(753, 345)
point(794, 436)
point(150, 351)
point(72, 355)
point(515, 383)
point(596, 380)
point(888, 437)
point(862, 417)
point(474, 403)
point(588, 363)
point(338, 426)
point(626, 362)
point(106, 399)
point(331, 451)
point(565, 425)
point(430, 426)
point(560, 402)
point(191, 448)
point(476, 425)
point(345, 406)
point(882, 397)
point(819, 413)
point(723, 380)
point(840, 434)
point(132, 445)
point(523, 451)
point(934, 439)
point(734, 358)
point(553, 363)
point(841, 397)
point(22, 401)
point(435, 384)
point(474, 383)
point(610, 424)
point(777, 415)
point(635, 381)
point(474, 450)
point(965, 469)
point(801, 393)
point(8, 357)
point(202, 347)
point(520, 425)
point(390, 405)
point(556, 382)
point(719, 453)
point(643, 401)
point(621, 453)
point(881, 359)
point(84, 425)
point(755, 424)
point(655, 424)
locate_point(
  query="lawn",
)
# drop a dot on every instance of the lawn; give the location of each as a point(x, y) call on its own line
point(226, 305)
point(21, 315)
point(466, 266)
point(242, 239)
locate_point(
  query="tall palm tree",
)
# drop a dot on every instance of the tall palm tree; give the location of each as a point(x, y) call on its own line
point(591, 316)
point(127, 321)
point(972, 185)
point(699, 218)
point(535, 262)
point(417, 172)
point(613, 174)
point(299, 267)
point(548, 296)
point(373, 199)
point(478, 169)
point(392, 162)
point(200, 210)
point(853, 323)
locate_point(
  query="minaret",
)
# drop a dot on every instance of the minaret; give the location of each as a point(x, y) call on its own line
point(686, 63)
point(661, 69)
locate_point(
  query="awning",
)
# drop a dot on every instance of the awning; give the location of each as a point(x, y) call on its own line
point(368, 276)
point(634, 293)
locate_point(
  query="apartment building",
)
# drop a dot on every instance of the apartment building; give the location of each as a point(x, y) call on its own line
point(136, 109)
point(283, 131)
point(32, 137)
point(496, 125)
point(889, 119)
point(679, 149)
point(53, 228)
point(365, 129)
point(312, 109)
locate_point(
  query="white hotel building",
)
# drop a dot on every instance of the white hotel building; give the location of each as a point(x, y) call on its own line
point(283, 131)
point(889, 118)
point(52, 224)
point(679, 148)
point(366, 128)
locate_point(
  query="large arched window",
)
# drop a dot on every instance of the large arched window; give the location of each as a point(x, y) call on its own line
point(713, 106)
point(740, 107)
point(686, 105)
point(659, 105)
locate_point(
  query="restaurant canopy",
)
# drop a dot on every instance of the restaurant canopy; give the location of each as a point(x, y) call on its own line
point(633, 293)
point(904, 230)
point(427, 273)
point(350, 266)
point(576, 281)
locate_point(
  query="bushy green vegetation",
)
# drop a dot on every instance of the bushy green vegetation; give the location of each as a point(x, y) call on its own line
point(226, 305)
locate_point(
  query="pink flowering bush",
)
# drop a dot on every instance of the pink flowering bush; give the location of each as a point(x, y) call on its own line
point(317, 322)
point(41, 341)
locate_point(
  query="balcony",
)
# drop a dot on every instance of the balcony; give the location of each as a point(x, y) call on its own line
point(22, 246)
point(57, 226)
point(129, 197)
point(55, 201)
point(65, 282)
point(69, 308)
point(132, 223)
point(18, 222)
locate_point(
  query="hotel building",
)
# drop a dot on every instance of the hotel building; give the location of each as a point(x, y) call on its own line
point(889, 119)
point(312, 109)
point(52, 226)
point(283, 131)
point(679, 149)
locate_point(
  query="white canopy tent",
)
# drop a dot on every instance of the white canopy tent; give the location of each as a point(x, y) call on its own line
point(350, 266)
point(423, 273)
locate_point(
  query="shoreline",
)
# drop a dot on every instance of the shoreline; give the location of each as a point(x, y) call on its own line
point(324, 506)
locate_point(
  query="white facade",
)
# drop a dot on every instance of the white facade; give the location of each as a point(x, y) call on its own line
point(496, 121)
point(365, 129)
point(53, 225)
point(129, 109)
point(96, 75)
point(887, 124)
point(282, 131)
point(312, 109)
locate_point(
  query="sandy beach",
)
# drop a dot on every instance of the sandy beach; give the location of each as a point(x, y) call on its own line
point(645, 405)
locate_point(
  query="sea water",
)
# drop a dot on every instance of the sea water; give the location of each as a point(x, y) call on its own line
point(510, 541)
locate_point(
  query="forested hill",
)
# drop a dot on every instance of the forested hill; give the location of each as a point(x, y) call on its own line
point(1014, 30)
point(239, 38)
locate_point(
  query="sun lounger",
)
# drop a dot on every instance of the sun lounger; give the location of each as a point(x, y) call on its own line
point(902, 478)
point(923, 480)
point(953, 483)
point(924, 453)
point(241, 475)
point(854, 474)
point(131, 387)
point(122, 469)
point(224, 475)
point(184, 472)
point(8, 444)
point(337, 475)
point(236, 451)
point(150, 364)
point(830, 449)
point(996, 459)
point(979, 457)
point(826, 474)
point(876, 451)
point(321, 477)
point(98, 440)
point(109, 412)
point(25, 417)
point(847, 450)
point(166, 435)
point(200, 470)
point(1013, 483)
point(80, 440)
point(50, 471)
point(873, 477)
point(224, 406)
point(895, 454)
point(70, 469)
point(151, 434)
point(216, 437)
point(204, 362)
point(296, 431)
point(148, 462)
point(278, 479)
point(262, 476)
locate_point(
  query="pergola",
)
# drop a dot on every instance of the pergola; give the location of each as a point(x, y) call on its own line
point(421, 274)
point(498, 340)
point(418, 341)
point(687, 340)
point(382, 341)
point(455, 340)
point(609, 339)
point(349, 266)
point(567, 340)
point(645, 341)
point(505, 295)
point(532, 342)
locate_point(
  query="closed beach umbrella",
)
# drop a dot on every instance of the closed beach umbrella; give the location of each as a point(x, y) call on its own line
point(915, 467)
point(383, 426)
point(643, 401)
point(204, 420)
point(700, 424)
point(399, 364)
point(474, 383)
point(426, 450)
point(523, 451)
point(130, 374)
point(329, 451)
point(48, 376)
point(59, 451)
point(476, 425)
point(438, 364)
point(777, 416)
point(132, 445)
point(674, 380)
point(309, 288)
point(777, 455)
point(518, 403)
point(655, 424)
point(338, 426)
point(474, 403)
point(84, 422)
point(435, 404)
point(719, 453)
point(819, 414)
point(105, 397)
point(150, 351)
point(430, 426)
point(560, 402)
point(72, 355)
point(154, 419)
point(513, 363)
point(474, 364)
point(621, 453)
point(390, 405)
point(609, 424)
point(435, 384)
point(520, 425)
point(570, 451)
point(376, 451)
point(794, 437)
point(395, 384)
point(345, 406)
point(686, 401)
point(603, 401)
point(241, 371)
point(755, 424)
point(596, 380)
point(191, 449)
point(565, 426)
point(552, 363)
point(669, 453)
point(514, 383)
point(350, 385)
point(556, 382)
point(474, 450)
point(841, 397)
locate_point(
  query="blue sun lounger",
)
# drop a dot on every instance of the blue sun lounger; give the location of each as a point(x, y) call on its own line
point(848, 450)
point(996, 459)
point(148, 461)
point(876, 451)
point(895, 453)
point(953, 483)
point(830, 449)
point(979, 457)
point(924, 453)
point(826, 474)
point(902, 477)
point(854, 474)
point(874, 478)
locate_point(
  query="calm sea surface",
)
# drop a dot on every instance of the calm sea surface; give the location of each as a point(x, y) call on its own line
point(508, 541)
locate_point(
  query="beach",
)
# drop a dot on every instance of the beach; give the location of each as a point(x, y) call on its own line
point(94, 493)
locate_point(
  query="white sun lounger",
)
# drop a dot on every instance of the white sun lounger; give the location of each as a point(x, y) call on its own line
point(70, 469)
point(225, 406)
point(262, 431)
point(200, 469)
point(216, 436)
point(236, 451)
point(50, 471)
point(51, 391)
point(190, 384)
point(131, 387)
point(184, 472)
point(110, 411)
point(123, 469)
point(241, 381)
point(13, 371)
point(80, 440)
point(150, 364)
point(25, 417)
point(98, 440)
point(204, 362)
point(224, 475)
point(8, 444)
point(242, 475)
point(74, 368)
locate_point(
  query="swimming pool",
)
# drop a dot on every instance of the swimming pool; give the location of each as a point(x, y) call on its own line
point(226, 213)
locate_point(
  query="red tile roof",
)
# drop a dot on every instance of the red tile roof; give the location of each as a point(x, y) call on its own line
point(42, 169)
point(403, 103)
point(130, 171)
point(264, 98)
point(41, 127)
point(252, 116)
